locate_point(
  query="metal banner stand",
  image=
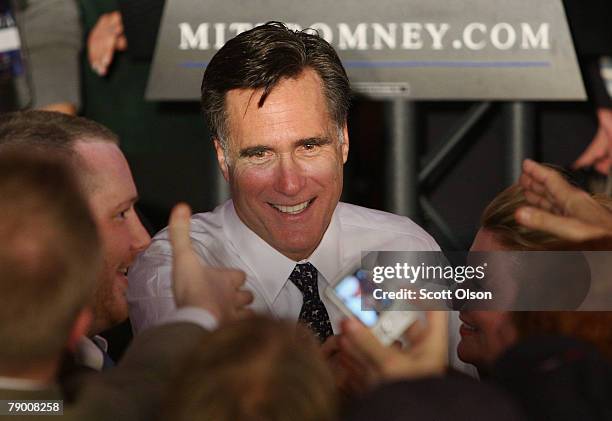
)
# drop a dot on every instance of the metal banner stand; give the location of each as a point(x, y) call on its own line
point(520, 120)
point(407, 184)
point(401, 170)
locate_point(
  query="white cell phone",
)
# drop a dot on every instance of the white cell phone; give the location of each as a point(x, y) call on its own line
point(387, 324)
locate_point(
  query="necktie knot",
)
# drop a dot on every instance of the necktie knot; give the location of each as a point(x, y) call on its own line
point(304, 277)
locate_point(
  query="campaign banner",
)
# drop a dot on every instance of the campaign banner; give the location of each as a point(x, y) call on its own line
point(417, 49)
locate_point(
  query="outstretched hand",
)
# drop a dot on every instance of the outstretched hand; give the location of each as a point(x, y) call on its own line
point(559, 208)
point(599, 152)
point(194, 284)
point(596, 154)
point(427, 354)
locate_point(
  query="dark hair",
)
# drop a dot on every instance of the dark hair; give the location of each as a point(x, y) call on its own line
point(49, 255)
point(50, 131)
point(263, 56)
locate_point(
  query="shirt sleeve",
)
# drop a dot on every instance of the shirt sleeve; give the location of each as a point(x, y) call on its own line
point(53, 37)
point(195, 315)
point(150, 296)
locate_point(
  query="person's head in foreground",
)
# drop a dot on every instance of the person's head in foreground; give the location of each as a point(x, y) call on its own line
point(254, 369)
point(485, 335)
point(49, 257)
point(276, 102)
point(109, 188)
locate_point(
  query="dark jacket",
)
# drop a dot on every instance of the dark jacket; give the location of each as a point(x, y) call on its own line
point(556, 378)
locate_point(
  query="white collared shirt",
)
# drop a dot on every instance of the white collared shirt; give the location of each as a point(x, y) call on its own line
point(223, 240)
point(15, 383)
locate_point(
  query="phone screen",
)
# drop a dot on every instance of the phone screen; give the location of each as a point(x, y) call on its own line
point(349, 291)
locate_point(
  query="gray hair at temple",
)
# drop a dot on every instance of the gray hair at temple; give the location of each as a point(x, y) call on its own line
point(259, 59)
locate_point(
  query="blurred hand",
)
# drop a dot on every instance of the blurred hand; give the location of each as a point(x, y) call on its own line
point(351, 378)
point(599, 152)
point(560, 208)
point(426, 356)
point(104, 39)
point(596, 154)
point(194, 284)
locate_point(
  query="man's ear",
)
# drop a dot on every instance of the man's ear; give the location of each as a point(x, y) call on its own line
point(221, 159)
point(80, 327)
point(345, 144)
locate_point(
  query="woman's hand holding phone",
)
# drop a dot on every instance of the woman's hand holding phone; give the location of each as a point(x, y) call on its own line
point(426, 356)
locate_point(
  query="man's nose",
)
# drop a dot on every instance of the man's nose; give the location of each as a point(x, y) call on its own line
point(140, 237)
point(290, 179)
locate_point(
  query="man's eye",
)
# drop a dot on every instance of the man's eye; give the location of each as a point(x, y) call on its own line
point(258, 155)
point(311, 146)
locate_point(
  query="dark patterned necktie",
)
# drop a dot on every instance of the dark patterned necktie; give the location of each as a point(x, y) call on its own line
point(313, 313)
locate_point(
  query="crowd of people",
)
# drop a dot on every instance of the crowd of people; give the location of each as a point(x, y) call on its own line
point(228, 307)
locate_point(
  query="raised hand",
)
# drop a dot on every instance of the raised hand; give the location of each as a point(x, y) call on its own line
point(217, 290)
point(104, 39)
point(427, 354)
point(560, 208)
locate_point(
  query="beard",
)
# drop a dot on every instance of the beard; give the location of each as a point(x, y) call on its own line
point(109, 301)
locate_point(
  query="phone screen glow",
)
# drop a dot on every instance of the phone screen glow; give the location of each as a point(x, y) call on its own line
point(349, 291)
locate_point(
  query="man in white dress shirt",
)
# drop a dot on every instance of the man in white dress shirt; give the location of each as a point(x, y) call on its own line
point(276, 102)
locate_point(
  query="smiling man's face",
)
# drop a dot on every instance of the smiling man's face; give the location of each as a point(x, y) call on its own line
point(284, 163)
point(111, 194)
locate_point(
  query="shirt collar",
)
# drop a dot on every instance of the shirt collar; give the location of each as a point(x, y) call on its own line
point(327, 256)
point(100, 342)
point(272, 268)
point(89, 353)
point(13, 383)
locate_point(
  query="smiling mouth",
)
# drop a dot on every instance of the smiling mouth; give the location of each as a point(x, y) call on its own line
point(123, 271)
point(293, 209)
point(467, 326)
